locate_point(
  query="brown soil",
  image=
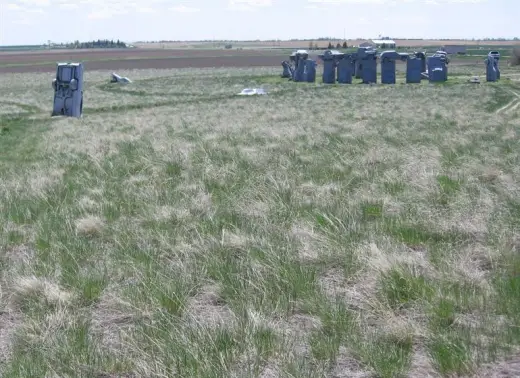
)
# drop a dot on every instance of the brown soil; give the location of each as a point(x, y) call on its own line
point(7, 57)
point(119, 59)
point(128, 59)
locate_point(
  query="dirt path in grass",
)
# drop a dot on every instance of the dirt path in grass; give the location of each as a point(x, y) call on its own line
point(510, 368)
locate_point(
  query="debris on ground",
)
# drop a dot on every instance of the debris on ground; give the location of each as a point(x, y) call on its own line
point(252, 91)
point(119, 79)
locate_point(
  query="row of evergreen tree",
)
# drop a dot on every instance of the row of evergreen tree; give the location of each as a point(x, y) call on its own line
point(315, 46)
point(99, 44)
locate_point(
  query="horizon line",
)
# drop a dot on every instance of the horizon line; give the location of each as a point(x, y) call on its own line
point(498, 39)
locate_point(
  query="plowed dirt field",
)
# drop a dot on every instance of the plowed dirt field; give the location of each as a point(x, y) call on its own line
point(119, 59)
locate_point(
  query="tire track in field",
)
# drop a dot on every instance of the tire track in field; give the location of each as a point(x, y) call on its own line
point(513, 104)
point(516, 104)
point(513, 108)
point(25, 108)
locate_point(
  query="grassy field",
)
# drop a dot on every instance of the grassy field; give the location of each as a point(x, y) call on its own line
point(320, 231)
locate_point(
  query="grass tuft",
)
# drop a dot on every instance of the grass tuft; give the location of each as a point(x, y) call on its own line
point(177, 229)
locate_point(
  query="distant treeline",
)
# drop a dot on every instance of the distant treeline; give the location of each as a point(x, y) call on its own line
point(99, 44)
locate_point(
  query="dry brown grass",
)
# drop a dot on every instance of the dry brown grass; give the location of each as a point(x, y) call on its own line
point(515, 56)
point(177, 230)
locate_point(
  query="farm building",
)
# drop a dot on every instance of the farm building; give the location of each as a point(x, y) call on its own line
point(384, 43)
point(367, 44)
point(379, 44)
point(455, 49)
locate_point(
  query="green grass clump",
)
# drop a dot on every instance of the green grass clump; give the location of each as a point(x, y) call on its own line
point(177, 229)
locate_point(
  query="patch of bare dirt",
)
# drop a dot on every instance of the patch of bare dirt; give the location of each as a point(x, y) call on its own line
point(19, 254)
point(8, 324)
point(111, 319)
point(421, 365)
point(509, 368)
point(158, 63)
point(348, 367)
point(206, 308)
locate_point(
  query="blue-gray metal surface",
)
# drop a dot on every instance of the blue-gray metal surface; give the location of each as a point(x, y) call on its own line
point(358, 56)
point(368, 59)
point(437, 68)
point(496, 57)
point(388, 59)
point(436, 75)
point(352, 58)
point(329, 72)
point(330, 60)
point(68, 90)
point(310, 71)
point(491, 71)
point(445, 58)
point(414, 69)
point(346, 69)
point(422, 57)
point(298, 55)
point(287, 70)
point(299, 69)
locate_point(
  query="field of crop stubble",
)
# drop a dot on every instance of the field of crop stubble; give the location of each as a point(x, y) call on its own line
point(340, 231)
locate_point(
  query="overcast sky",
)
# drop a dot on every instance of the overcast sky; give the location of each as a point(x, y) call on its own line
point(36, 21)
